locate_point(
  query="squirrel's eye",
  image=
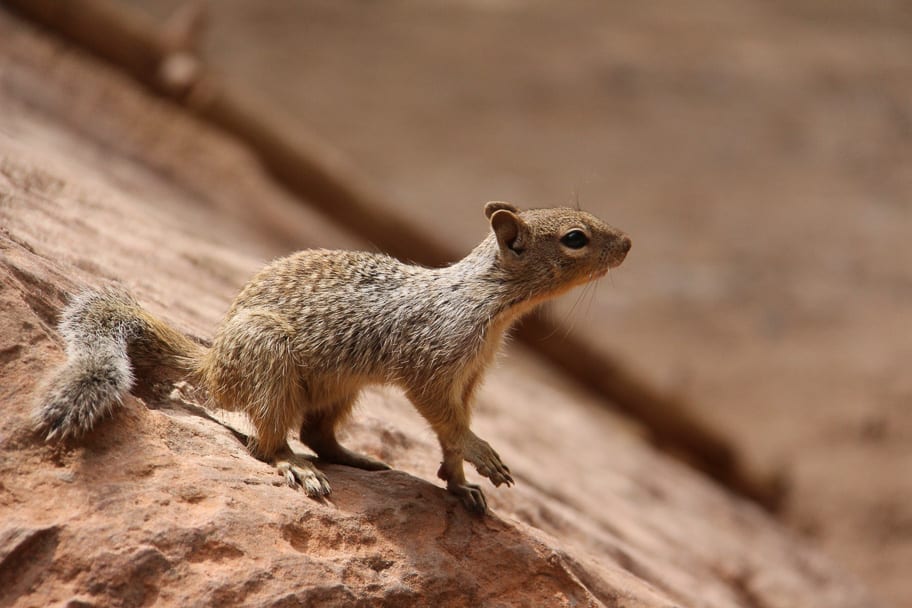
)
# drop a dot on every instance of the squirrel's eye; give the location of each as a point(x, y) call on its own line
point(575, 239)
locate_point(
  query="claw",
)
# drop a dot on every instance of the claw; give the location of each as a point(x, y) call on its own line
point(305, 475)
point(316, 487)
point(472, 497)
point(488, 463)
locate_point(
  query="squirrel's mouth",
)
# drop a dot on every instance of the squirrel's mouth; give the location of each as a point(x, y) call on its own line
point(616, 256)
point(598, 273)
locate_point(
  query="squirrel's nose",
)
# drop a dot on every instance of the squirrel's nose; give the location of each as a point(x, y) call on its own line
point(626, 243)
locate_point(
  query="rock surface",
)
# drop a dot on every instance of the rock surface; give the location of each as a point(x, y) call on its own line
point(162, 506)
point(759, 153)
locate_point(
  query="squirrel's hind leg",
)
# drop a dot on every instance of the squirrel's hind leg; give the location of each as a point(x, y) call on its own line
point(253, 368)
point(318, 432)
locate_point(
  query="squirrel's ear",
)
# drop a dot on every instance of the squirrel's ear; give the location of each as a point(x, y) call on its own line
point(510, 230)
point(493, 206)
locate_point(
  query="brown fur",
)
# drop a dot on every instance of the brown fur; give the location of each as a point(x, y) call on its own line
point(311, 329)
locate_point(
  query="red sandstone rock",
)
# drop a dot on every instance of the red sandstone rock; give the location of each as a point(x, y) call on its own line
point(164, 506)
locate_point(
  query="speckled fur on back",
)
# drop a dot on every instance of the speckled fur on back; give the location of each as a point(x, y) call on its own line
point(311, 329)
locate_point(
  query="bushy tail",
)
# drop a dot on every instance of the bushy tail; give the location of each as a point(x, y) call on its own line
point(110, 343)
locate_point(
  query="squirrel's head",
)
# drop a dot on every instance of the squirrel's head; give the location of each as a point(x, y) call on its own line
point(556, 249)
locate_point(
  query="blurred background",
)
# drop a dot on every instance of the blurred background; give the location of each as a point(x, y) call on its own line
point(759, 153)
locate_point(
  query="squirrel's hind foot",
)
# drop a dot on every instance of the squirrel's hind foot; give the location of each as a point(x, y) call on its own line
point(322, 440)
point(342, 455)
point(299, 471)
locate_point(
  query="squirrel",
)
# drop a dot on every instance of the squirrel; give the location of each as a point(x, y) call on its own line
point(310, 330)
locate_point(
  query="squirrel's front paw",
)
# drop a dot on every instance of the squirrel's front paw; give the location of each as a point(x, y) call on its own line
point(487, 462)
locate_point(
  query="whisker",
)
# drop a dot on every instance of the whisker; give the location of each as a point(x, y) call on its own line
point(594, 295)
point(567, 319)
point(588, 289)
point(569, 315)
